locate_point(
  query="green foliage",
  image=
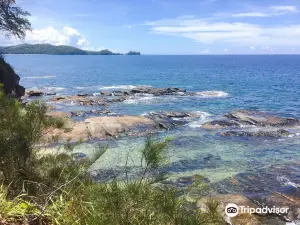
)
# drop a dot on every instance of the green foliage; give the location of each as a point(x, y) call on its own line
point(21, 129)
point(51, 50)
point(13, 19)
point(153, 152)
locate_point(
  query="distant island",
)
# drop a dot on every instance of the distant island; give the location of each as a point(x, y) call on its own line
point(49, 49)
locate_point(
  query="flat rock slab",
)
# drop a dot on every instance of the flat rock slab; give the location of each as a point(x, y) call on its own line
point(113, 126)
point(102, 127)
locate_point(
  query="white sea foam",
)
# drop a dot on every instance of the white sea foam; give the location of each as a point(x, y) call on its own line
point(285, 181)
point(123, 87)
point(40, 77)
point(212, 94)
point(143, 100)
point(203, 117)
point(54, 88)
point(113, 87)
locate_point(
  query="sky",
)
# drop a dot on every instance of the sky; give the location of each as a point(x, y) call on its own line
point(166, 26)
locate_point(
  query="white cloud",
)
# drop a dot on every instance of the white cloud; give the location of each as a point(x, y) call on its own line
point(50, 35)
point(270, 11)
point(286, 9)
point(235, 33)
point(250, 14)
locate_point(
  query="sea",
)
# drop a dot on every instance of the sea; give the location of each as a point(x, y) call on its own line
point(269, 83)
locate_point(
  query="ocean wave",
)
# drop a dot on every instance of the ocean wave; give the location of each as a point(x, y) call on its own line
point(45, 89)
point(54, 88)
point(212, 94)
point(41, 77)
point(142, 100)
point(203, 117)
point(113, 87)
point(124, 87)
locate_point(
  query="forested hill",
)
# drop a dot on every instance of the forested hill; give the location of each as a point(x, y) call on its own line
point(55, 50)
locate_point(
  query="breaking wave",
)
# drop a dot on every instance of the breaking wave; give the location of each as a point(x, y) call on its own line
point(203, 117)
point(113, 87)
point(41, 77)
point(212, 94)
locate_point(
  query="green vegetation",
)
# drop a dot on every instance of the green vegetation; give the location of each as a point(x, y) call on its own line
point(54, 50)
point(56, 188)
point(13, 20)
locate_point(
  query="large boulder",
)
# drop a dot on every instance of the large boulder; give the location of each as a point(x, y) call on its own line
point(10, 80)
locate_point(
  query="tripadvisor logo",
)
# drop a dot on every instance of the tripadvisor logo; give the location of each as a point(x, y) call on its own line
point(232, 210)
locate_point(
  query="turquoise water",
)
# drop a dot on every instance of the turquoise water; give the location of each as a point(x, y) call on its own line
point(269, 83)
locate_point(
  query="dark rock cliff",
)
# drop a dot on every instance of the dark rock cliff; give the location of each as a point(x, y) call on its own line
point(10, 80)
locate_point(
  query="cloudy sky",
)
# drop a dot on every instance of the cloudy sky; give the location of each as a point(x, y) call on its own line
point(167, 26)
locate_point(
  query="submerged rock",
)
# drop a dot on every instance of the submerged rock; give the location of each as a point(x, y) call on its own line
point(260, 133)
point(276, 185)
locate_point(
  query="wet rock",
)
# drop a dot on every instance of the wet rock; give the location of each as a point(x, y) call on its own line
point(100, 112)
point(168, 120)
point(83, 95)
point(79, 114)
point(59, 98)
point(218, 124)
point(157, 91)
point(105, 93)
point(260, 133)
point(50, 93)
point(34, 93)
point(96, 112)
point(258, 118)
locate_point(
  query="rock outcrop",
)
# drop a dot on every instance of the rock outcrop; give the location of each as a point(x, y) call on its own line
point(105, 126)
point(10, 80)
point(239, 124)
point(242, 118)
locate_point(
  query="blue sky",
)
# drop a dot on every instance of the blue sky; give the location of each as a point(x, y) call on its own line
point(167, 26)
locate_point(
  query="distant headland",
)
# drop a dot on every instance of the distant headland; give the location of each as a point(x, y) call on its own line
point(49, 49)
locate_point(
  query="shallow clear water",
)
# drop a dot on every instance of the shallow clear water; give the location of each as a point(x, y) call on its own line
point(269, 83)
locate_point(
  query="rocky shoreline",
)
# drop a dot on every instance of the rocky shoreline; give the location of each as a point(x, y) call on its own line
point(275, 185)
